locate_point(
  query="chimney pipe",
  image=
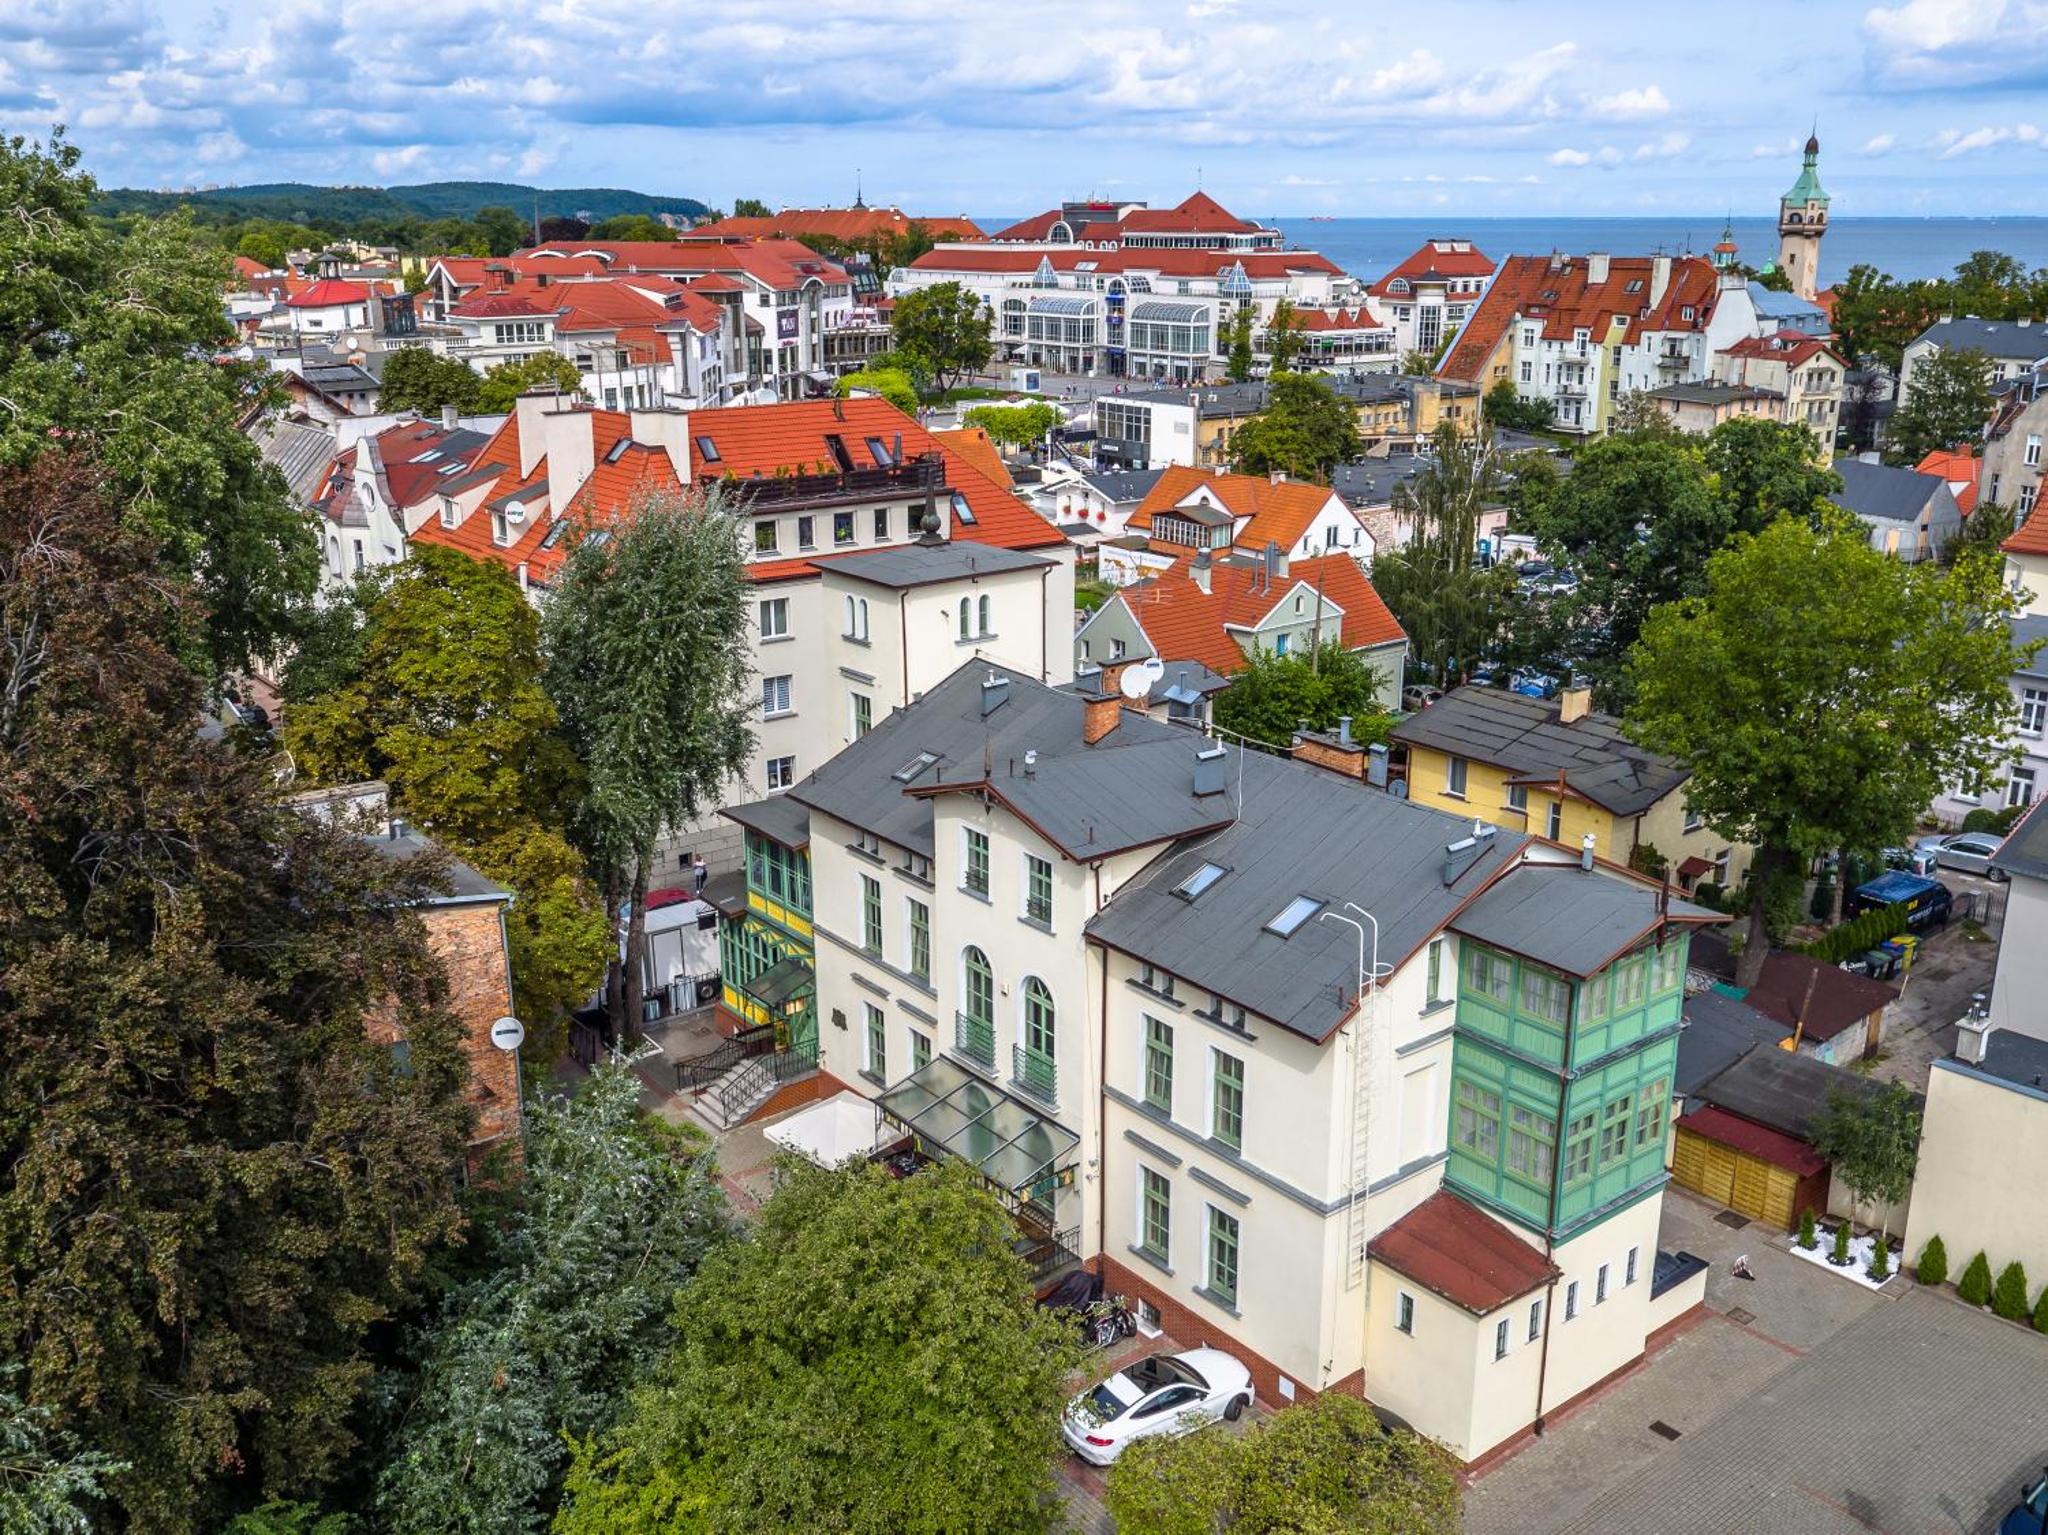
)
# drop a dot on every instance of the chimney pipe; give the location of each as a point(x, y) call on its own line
point(1586, 853)
point(449, 418)
point(1344, 730)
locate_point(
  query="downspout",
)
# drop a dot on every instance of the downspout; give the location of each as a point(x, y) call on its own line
point(1550, 1223)
point(1044, 670)
point(1101, 1096)
point(903, 633)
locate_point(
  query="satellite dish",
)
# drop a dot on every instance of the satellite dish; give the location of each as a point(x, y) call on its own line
point(1137, 681)
point(508, 1033)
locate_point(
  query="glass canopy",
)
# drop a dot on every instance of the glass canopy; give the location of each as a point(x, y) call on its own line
point(1012, 1145)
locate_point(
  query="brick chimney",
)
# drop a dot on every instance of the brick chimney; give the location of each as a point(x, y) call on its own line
point(1111, 675)
point(1102, 714)
point(1574, 703)
point(1337, 753)
point(497, 278)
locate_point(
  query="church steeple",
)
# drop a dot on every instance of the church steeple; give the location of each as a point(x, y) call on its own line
point(1802, 221)
point(858, 201)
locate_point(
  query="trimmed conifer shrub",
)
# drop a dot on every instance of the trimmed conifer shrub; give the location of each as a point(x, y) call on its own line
point(1975, 1285)
point(1806, 1237)
point(2041, 1311)
point(1840, 1256)
point(1933, 1267)
point(2009, 1296)
point(1880, 1260)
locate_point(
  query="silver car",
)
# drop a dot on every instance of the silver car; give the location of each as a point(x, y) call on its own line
point(1969, 852)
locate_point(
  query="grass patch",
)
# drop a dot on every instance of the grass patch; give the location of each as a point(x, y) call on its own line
point(982, 392)
point(1091, 594)
point(1973, 931)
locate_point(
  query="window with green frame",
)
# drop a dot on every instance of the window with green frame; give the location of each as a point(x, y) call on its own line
point(878, 1043)
point(1614, 1122)
point(920, 929)
point(975, 874)
point(1593, 997)
point(1038, 888)
point(1436, 970)
point(1038, 1019)
point(1669, 968)
point(1478, 1120)
point(1630, 979)
point(871, 914)
point(981, 986)
point(1545, 996)
point(1488, 972)
point(1223, 1235)
point(1159, 1064)
point(1650, 1113)
point(779, 873)
point(1227, 1100)
point(1578, 1149)
point(920, 1050)
point(1155, 1214)
point(1532, 1145)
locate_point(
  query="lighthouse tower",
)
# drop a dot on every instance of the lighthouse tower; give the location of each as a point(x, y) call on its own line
point(1802, 220)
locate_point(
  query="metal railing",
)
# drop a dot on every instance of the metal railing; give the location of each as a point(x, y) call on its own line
point(975, 1038)
point(924, 471)
point(1055, 1256)
point(700, 1071)
point(743, 1088)
point(1035, 1072)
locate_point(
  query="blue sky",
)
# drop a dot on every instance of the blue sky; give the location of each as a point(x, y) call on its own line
point(1468, 106)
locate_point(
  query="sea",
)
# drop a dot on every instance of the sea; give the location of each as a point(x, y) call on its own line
point(1905, 248)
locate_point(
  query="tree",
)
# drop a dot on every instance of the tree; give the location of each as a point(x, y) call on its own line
point(418, 379)
point(504, 230)
point(645, 635)
point(1504, 408)
point(504, 384)
point(1451, 608)
point(280, 1516)
point(1274, 696)
point(1975, 1285)
point(2009, 1295)
point(1821, 694)
point(892, 384)
point(1325, 1465)
point(631, 226)
point(109, 336)
point(1761, 470)
point(1881, 1258)
point(892, 251)
point(218, 1185)
point(1238, 345)
point(561, 226)
point(750, 208)
point(47, 1484)
point(1305, 431)
point(1017, 426)
point(947, 329)
point(1945, 406)
point(2040, 1318)
point(1862, 394)
point(870, 1360)
point(1807, 1239)
point(1418, 364)
point(559, 933)
point(1875, 316)
point(1284, 337)
point(1933, 1265)
point(614, 1216)
point(1987, 526)
point(266, 246)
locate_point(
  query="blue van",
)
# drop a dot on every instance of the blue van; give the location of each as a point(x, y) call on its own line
point(1928, 902)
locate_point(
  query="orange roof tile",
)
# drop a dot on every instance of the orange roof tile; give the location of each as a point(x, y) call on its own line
point(849, 224)
point(1960, 468)
point(1791, 347)
point(975, 445)
point(1184, 623)
point(781, 264)
point(328, 293)
point(1171, 263)
point(1437, 259)
point(1278, 511)
point(1554, 291)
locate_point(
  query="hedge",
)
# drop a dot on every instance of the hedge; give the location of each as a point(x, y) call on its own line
point(1858, 935)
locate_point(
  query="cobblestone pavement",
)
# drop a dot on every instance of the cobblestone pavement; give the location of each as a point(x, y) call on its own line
point(1802, 1404)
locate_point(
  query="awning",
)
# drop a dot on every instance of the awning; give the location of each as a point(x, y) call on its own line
point(782, 980)
point(953, 1112)
point(840, 1129)
point(1694, 867)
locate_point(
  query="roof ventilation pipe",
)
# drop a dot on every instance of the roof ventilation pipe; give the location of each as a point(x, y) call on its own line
point(1586, 853)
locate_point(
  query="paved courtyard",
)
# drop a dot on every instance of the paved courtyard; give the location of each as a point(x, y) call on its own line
point(1804, 1405)
point(1952, 965)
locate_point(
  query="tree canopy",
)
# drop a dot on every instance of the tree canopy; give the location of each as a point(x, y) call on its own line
point(48, 1485)
point(1504, 407)
point(1873, 1142)
point(892, 384)
point(1452, 609)
point(1237, 339)
point(1016, 426)
point(631, 226)
point(870, 1359)
point(750, 208)
point(1821, 693)
point(416, 378)
point(1284, 337)
point(1947, 402)
point(503, 385)
point(946, 329)
point(1274, 696)
point(1306, 431)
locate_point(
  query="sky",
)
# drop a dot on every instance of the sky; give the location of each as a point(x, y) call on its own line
point(985, 107)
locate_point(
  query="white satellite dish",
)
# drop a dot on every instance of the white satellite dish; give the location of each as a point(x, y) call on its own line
point(508, 1033)
point(1137, 681)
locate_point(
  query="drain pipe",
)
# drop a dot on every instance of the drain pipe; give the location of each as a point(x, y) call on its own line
point(1101, 1095)
point(1550, 1223)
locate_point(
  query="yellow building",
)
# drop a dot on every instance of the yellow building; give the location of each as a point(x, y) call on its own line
point(1555, 768)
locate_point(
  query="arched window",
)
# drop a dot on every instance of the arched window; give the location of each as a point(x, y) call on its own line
point(856, 617)
point(861, 613)
point(966, 617)
point(849, 615)
point(1038, 1019)
point(982, 614)
point(979, 988)
point(334, 555)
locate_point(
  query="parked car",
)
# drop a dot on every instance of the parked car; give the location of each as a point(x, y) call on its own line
point(1159, 1395)
point(2029, 1516)
point(1419, 695)
point(1970, 851)
point(1928, 902)
point(1533, 684)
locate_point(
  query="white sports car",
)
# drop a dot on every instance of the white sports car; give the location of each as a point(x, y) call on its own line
point(1161, 1394)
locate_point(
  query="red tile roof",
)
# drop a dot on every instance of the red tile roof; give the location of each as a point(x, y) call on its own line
point(328, 293)
point(2031, 537)
point(1437, 259)
point(849, 224)
point(1959, 468)
point(1170, 263)
point(781, 264)
point(1279, 511)
point(526, 299)
point(1793, 348)
point(1185, 623)
point(1461, 1254)
point(472, 271)
point(973, 444)
point(1198, 213)
point(1746, 1135)
point(1039, 225)
point(1554, 291)
point(248, 266)
point(401, 448)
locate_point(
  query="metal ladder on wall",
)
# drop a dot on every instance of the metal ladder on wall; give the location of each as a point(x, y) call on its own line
point(1355, 1238)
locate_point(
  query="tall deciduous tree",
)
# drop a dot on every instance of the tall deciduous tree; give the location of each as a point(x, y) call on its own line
point(631, 226)
point(1451, 608)
point(1274, 696)
point(645, 634)
point(1946, 405)
point(1306, 430)
point(1874, 1143)
point(614, 1216)
point(750, 208)
point(108, 341)
point(1822, 693)
point(1284, 336)
point(1326, 1465)
point(1238, 345)
point(1503, 406)
point(1016, 426)
point(946, 328)
point(216, 1186)
point(892, 384)
point(417, 379)
point(870, 1360)
point(501, 388)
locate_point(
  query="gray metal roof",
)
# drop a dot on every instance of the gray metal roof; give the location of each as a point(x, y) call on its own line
point(1301, 832)
point(300, 452)
point(2019, 1058)
point(921, 564)
point(339, 378)
point(1788, 308)
point(1719, 1031)
point(1881, 491)
point(1109, 798)
point(1062, 306)
point(1158, 309)
point(1183, 681)
point(1371, 481)
point(465, 885)
point(1523, 735)
point(859, 785)
point(1122, 485)
point(1994, 338)
point(778, 818)
point(1211, 401)
point(2025, 850)
point(1568, 918)
point(1713, 392)
point(1783, 1090)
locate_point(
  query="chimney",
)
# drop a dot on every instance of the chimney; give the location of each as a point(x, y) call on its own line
point(1376, 766)
point(530, 412)
point(1586, 853)
point(450, 418)
point(1466, 851)
point(669, 430)
point(1276, 477)
point(1110, 674)
point(497, 278)
point(1276, 560)
point(1100, 715)
point(569, 438)
point(1198, 571)
point(1209, 773)
point(1574, 703)
point(1337, 754)
point(995, 692)
point(1660, 278)
point(1973, 1032)
point(1596, 268)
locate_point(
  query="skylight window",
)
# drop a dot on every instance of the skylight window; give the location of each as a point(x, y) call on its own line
point(428, 457)
point(1293, 914)
point(1199, 881)
point(962, 512)
point(450, 469)
point(913, 767)
point(880, 451)
point(617, 450)
point(707, 450)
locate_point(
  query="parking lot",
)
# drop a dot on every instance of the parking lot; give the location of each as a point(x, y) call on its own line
point(1951, 966)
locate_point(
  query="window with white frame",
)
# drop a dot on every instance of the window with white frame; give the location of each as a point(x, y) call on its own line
point(2033, 449)
point(775, 695)
point(2033, 710)
point(2019, 788)
point(1438, 947)
point(1454, 776)
point(1535, 1319)
point(856, 618)
point(775, 618)
point(781, 772)
point(1600, 1284)
point(1571, 1300)
point(1628, 1272)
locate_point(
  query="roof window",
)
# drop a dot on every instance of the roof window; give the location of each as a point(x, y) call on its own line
point(707, 450)
point(617, 450)
point(1202, 878)
point(1635, 285)
point(840, 456)
point(1293, 914)
point(880, 452)
point(962, 512)
point(428, 457)
point(915, 766)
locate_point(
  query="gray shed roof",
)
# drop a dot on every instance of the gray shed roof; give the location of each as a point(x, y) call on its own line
point(1371, 481)
point(1712, 391)
point(300, 452)
point(465, 885)
point(1569, 919)
point(778, 818)
point(1523, 735)
point(1719, 1031)
point(1783, 1090)
point(1994, 338)
point(1884, 492)
point(922, 564)
point(2018, 1058)
point(1301, 832)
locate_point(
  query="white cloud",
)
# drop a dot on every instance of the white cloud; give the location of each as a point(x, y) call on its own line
point(1570, 157)
point(1641, 101)
point(1953, 143)
point(1879, 144)
point(1789, 146)
point(1607, 154)
point(1665, 148)
point(397, 162)
point(1944, 44)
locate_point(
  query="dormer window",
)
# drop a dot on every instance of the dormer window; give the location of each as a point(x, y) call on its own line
point(449, 516)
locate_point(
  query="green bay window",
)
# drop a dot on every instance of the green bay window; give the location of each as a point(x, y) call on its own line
point(1669, 968)
point(1578, 1149)
point(1532, 1145)
point(1544, 995)
point(1650, 1113)
point(1159, 1065)
point(1487, 972)
point(1478, 1120)
point(1614, 1122)
point(1630, 979)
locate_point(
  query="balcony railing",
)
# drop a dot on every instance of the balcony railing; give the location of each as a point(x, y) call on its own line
point(925, 471)
point(975, 1038)
point(1035, 1072)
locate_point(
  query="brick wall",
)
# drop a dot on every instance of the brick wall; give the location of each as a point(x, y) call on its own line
point(1193, 1329)
point(794, 1095)
point(470, 943)
point(1346, 760)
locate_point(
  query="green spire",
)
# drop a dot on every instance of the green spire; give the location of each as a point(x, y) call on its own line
point(1807, 188)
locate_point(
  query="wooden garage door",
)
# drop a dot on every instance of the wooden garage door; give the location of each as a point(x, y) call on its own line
point(1706, 1167)
point(1745, 1184)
